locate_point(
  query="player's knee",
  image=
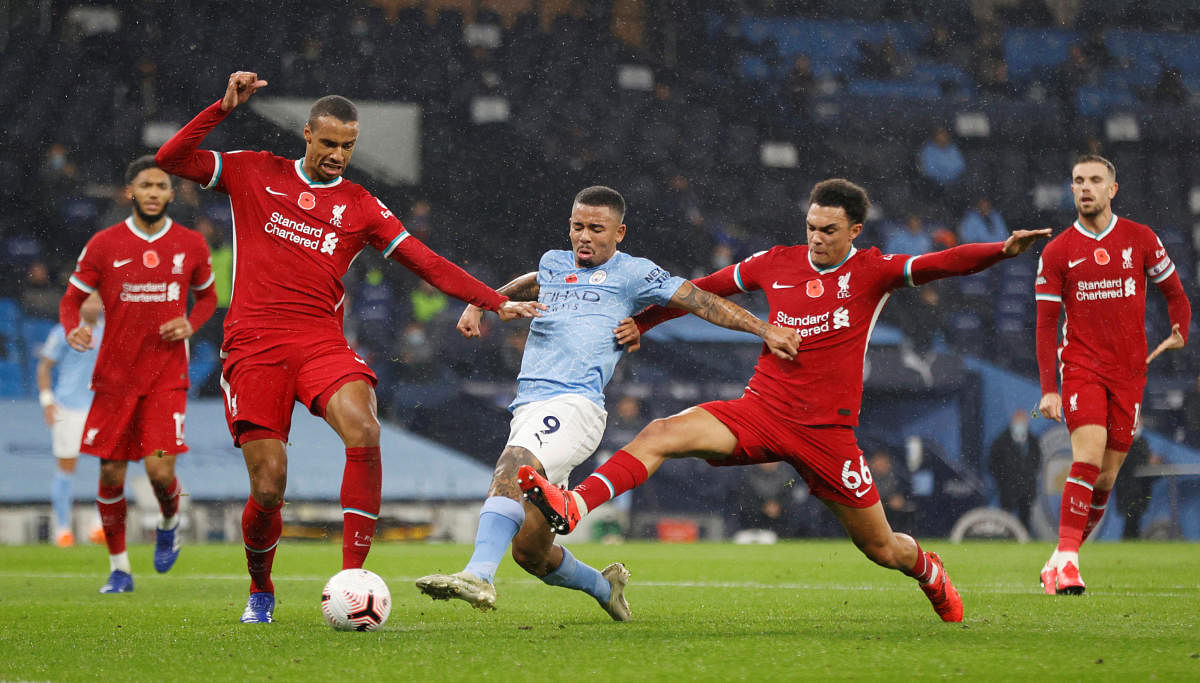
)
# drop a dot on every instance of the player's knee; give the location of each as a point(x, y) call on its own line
point(880, 552)
point(362, 431)
point(658, 437)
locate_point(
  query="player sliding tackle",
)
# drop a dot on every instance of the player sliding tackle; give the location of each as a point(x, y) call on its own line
point(299, 225)
point(801, 411)
point(558, 414)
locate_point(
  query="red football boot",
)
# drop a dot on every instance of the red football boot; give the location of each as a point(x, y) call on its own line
point(942, 595)
point(558, 506)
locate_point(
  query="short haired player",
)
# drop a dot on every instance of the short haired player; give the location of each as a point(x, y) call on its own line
point(1095, 272)
point(801, 411)
point(143, 269)
point(558, 413)
point(298, 225)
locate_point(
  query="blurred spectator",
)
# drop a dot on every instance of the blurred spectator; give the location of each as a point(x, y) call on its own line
point(982, 223)
point(119, 208)
point(893, 492)
point(419, 221)
point(1132, 491)
point(912, 239)
point(1170, 88)
point(39, 293)
point(418, 361)
point(1191, 415)
point(1014, 460)
point(993, 80)
point(427, 301)
point(881, 61)
point(940, 161)
point(58, 171)
point(763, 499)
point(940, 46)
point(185, 208)
point(624, 421)
point(925, 317)
point(1073, 73)
point(799, 85)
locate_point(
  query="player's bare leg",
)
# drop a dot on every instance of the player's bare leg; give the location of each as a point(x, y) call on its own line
point(110, 501)
point(869, 529)
point(160, 469)
point(1060, 575)
point(692, 433)
point(262, 523)
point(352, 413)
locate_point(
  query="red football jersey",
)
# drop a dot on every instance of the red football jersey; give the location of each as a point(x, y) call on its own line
point(143, 282)
point(1100, 280)
point(294, 239)
point(834, 310)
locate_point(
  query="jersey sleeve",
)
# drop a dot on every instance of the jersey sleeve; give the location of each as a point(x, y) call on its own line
point(182, 156)
point(965, 259)
point(724, 282)
point(384, 229)
point(88, 267)
point(55, 346)
point(1161, 271)
point(202, 275)
point(1048, 287)
point(652, 284)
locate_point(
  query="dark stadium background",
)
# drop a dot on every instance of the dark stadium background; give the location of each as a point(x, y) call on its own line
point(699, 114)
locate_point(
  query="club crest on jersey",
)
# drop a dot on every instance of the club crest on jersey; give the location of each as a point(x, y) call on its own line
point(307, 201)
point(1127, 257)
point(177, 264)
point(150, 258)
point(1101, 256)
point(844, 286)
point(598, 277)
point(337, 215)
point(571, 279)
point(815, 288)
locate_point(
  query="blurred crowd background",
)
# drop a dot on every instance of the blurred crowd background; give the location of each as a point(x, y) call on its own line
point(961, 118)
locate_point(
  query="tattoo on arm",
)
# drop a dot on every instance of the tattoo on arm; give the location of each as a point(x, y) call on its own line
point(717, 310)
point(522, 288)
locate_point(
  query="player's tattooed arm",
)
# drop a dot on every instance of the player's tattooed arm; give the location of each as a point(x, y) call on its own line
point(783, 342)
point(523, 288)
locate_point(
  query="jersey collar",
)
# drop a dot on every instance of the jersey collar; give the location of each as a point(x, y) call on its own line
point(830, 269)
point(1103, 233)
point(308, 181)
point(149, 238)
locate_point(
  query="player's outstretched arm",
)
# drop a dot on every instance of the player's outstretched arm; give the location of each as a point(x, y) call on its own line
point(1020, 240)
point(1174, 340)
point(242, 85)
point(783, 342)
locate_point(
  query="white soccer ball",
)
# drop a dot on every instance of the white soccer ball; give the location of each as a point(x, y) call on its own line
point(356, 600)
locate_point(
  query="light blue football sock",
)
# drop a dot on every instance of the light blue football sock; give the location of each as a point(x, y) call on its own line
point(60, 499)
point(574, 574)
point(499, 520)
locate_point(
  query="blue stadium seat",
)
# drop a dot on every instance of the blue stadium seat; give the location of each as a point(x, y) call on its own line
point(1031, 51)
point(12, 380)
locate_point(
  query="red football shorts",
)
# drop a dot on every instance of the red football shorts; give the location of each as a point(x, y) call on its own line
point(826, 456)
point(263, 377)
point(1089, 399)
point(124, 427)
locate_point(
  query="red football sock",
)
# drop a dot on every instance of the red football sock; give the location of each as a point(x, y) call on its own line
point(168, 498)
point(1076, 505)
point(923, 570)
point(362, 484)
point(1095, 512)
point(261, 528)
point(110, 501)
point(617, 475)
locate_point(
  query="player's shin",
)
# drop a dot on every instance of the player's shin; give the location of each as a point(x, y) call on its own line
point(1076, 505)
point(571, 573)
point(500, 519)
point(110, 502)
point(620, 473)
point(362, 482)
point(261, 529)
point(1095, 512)
point(168, 502)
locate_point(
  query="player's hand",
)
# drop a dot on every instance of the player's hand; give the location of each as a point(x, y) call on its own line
point(511, 310)
point(784, 342)
point(1174, 341)
point(177, 329)
point(49, 413)
point(1050, 407)
point(1020, 240)
point(469, 322)
point(242, 85)
point(628, 335)
point(80, 338)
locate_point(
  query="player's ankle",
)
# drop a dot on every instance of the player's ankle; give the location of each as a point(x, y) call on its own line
point(579, 504)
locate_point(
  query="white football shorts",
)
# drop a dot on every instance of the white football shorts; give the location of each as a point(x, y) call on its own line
point(67, 431)
point(561, 432)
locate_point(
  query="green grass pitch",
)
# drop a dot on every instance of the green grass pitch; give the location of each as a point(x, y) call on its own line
point(799, 610)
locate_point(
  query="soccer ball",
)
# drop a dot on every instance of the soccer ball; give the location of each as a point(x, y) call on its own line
point(356, 600)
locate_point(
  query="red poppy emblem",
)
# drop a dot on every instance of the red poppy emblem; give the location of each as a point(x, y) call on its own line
point(307, 201)
point(1101, 255)
point(150, 258)
point(815, 288)
point(571, 279)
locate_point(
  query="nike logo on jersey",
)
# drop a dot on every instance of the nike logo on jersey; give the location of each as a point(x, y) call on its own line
point(1072, 264)
point(776, 285)
point(277, 194)
point(123, 262)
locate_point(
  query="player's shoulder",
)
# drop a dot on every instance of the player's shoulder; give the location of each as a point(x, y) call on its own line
point(624, 261)
point(557, 258)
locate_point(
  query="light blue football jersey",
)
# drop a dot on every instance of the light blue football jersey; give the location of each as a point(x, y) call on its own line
point(73, 385)
point(571, 349)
